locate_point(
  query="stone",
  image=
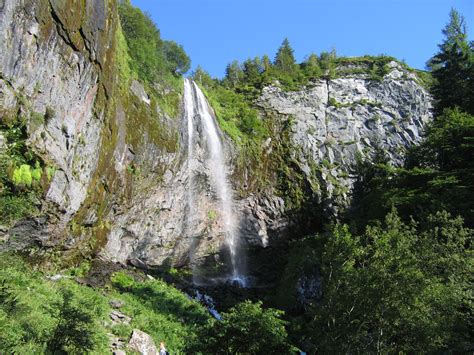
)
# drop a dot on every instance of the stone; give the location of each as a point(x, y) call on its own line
point(25, 233)
point(116, 303)
point(143, 343)
point(53, 70)
point(119, 317)
point(139, 91)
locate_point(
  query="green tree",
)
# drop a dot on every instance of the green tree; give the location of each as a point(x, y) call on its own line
point(151, 57)
point(311, 66)
point(253, 68)
point(202, 77)
point(247, 328)
point(284, 59)
point(327, 62)
point(453, 67)
point(266, 63)
point(396, 288)
point(143, 40)
point(234, 73)
point(177, 58)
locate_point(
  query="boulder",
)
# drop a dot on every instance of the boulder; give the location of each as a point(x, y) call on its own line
point(142, 342)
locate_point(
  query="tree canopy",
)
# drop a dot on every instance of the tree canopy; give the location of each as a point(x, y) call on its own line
point(151, 56)
point(453, 67)
point(284, 59)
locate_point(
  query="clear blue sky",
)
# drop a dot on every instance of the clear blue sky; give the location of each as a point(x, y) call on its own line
point(215, 32)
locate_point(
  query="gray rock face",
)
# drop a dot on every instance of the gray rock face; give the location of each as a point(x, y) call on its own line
point(143, 343)
point(40, 65)
point(334, 120)
point(160, 227)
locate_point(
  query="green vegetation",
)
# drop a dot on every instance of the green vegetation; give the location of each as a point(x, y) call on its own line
point(247, 328)
point(396, 287)
point(397, 277)
point(453, 67)
point(395, 273)
point(39, 316)
point(22, 177)
point(142, 54)
point(152, 58)
point(159, 310)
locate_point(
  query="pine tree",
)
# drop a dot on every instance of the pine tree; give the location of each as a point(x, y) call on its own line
point(252, 69)
point(234, 73)
point(266, 62)
point(311, 66)
point(453, 67)
point(285, 60)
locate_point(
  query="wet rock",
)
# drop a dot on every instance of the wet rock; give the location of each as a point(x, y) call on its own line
point(309, 288)
point(26, 233)
point(143, 343)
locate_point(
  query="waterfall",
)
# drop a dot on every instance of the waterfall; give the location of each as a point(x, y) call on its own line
point(197, 108)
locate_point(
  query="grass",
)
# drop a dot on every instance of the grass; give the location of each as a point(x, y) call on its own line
point(39, 316)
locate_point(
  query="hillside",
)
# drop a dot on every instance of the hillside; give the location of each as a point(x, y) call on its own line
point(336, 191)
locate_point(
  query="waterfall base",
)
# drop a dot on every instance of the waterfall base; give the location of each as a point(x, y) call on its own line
point(233, 281)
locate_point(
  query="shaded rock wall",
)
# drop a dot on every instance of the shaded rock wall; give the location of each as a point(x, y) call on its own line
point(52, 56)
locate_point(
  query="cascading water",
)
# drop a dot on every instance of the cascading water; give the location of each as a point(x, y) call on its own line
point(196, 107)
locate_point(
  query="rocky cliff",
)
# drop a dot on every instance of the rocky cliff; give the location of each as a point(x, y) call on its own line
point(119, 185)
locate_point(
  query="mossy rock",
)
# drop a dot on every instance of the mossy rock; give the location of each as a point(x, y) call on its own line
point(70, 13)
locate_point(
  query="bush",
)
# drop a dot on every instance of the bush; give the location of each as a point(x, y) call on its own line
point(41, 316)
point(79, 328)
point(247, 328)
point(22, 175)
point(13, 208)
point(122, 281)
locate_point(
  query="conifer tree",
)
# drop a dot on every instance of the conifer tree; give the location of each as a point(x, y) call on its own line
point(266, 63)
point(252, 69)
point(285, 60)
point(234, 73)
point(453, 67)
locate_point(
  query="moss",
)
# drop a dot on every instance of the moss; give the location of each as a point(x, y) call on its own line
point(122, 60)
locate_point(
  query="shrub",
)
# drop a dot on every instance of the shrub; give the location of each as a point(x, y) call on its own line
point(151, 57)
point(122, 281)
point(80, 312)
point(22, 175)
point(247, 328)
